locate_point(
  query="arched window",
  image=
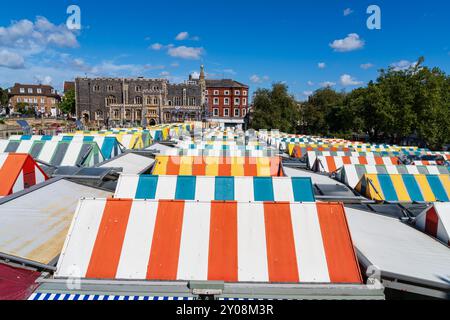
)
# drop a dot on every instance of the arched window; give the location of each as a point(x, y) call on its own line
point(127, 114)
point(177, 101)
point(155, 101)
point(111, 100)
point(149, 100)
point(138, 114)
point(98, 115)
point(170, 103)
point(116, 114)
point(138, 100)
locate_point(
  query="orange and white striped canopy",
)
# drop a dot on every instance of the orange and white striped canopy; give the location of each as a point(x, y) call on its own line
point(18, 171)
point(210, 241)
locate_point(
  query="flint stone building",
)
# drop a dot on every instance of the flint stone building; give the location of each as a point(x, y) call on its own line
point(115, 101)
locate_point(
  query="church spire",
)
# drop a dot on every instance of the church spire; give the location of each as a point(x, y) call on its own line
point(202, 72)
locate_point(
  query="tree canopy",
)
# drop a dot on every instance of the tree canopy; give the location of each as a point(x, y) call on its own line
point(67, 104)
point(411, 104)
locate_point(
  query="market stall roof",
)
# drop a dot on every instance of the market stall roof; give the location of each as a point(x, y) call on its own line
point(209, 241)
point(352, 174)
point(34, 223)
point(130, 163)
point(408, 259)
point(435, 221)
point(108, 145)
point(218, 166)
point(332, 164)
point(58, 153)
point(202, 188)
point(18, 171)
point(405, 187)
point(17, 283)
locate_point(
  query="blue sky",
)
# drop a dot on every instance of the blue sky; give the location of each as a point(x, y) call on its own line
point(255, 42)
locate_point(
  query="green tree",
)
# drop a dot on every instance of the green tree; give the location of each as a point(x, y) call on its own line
point(67, 105)
point(3, 97)
point(24, 108)
point(275, 109)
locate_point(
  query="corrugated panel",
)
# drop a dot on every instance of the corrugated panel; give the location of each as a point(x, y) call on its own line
point(405, 188)
point(16, 284)
point(223, 241)
point(203, 188)
point(352, 174)
point(34, 225)
point(399, 251)
point(435, 221)
point(217, 166)
point(18, 172)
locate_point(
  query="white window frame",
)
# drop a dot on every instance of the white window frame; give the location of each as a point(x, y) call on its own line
point(39, 90)
point(237, 92)
point(216, 101)
point(245, 92)
point(22, 90)
point(226, 112)
point(227, 92)
point(30, 90)
point(216, 112)
point(244, 112)
point(216, 92)
point(238, 113)
point(206, 92)
point(237, 101)
point(244, 101)
point(226, 101)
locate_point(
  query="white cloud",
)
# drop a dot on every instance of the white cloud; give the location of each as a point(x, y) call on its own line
point(348, 12)
point(164, 74)
point(32, 38)
point(195, 75)
point(322, 65)
point(175, 64)
point(366, 66)
point(257, 79)
point(182, 36)
point(347, 81)
point(186, 52)
point(403, 65)
point(186, 36)
point(307, 93)
point(326, 84)
point(310, 83)
point(46, 80)
point(156, 46)
point(11, 60)
point(350, 43)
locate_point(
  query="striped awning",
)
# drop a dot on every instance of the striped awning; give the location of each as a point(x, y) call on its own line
point(58, 152)
point(18, 171)
point(42, 296)
point(435, 221)
point(332, 164)
point(203, 188)
point(352, 174)
point(209, 241)
point(218, 166)
point(405, 187)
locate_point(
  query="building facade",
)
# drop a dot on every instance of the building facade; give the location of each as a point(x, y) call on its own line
point(43, 99)
point(115, 101)
point(227, 101)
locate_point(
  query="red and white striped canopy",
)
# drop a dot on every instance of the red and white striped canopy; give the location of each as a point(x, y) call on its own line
point(435, 221)
point(207, 241)
point(18, 171)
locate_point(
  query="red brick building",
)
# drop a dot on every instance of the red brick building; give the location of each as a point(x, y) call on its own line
point(42, 98)
point(227, 101)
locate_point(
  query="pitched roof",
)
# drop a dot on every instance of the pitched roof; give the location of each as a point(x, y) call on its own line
point(224, 83)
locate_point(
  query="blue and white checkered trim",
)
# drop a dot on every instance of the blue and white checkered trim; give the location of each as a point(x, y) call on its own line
point(85, 297)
